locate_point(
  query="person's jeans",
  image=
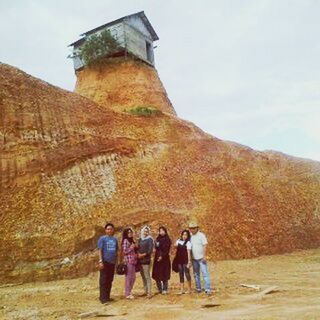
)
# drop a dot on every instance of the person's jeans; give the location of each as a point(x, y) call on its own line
point(145, 274)
point(199, 265)
point(162, 285)
point(130, 278)
point(105, 281)
point(184, 270)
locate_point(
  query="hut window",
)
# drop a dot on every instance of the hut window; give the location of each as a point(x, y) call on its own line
point(149, 51)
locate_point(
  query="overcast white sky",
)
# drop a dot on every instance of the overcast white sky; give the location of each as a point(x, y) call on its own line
point(246, 71)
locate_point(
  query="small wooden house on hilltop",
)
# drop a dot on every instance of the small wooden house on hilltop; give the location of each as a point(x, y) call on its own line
point(134, 34)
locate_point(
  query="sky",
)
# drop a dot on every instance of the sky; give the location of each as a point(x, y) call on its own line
point(246, 71)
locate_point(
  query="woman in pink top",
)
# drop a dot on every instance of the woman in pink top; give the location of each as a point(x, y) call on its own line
point(130, 258)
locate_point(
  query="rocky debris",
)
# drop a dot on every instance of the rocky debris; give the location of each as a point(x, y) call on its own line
point(269, 290)
point(251, 286)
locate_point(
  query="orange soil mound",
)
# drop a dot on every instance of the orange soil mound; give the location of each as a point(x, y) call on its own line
point(68, 164)
point(122, 84)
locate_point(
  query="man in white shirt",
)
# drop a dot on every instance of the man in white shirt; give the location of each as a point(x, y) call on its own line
point(199, 261)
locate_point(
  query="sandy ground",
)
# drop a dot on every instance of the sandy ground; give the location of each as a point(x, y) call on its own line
point(297, 276)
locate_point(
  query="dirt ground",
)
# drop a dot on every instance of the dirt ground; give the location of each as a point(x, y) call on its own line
point(297, 276)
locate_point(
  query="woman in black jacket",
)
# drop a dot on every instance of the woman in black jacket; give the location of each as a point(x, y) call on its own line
point(162, 266)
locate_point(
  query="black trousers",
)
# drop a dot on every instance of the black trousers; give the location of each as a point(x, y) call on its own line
point(162, 285)
point(184, 271)
point(105, 281)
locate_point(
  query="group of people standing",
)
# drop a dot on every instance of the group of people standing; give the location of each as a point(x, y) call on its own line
point(190, 253)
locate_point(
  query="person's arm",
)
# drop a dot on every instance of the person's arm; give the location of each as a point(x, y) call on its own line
point(189, 258)
point(160, 252)
point(127, 247)
point(189, 248)
point(100, 259)
point(204, 259)
point(204, 243)
point(150, 246)
point(100, 255)
point(119, 254)
point(140, 254)
point(149, 250)
point(166, 248)
point(100, 245)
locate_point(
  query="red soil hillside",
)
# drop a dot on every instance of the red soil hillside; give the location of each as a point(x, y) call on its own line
point(68, 164)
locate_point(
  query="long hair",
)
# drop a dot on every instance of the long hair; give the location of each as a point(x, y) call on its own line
point(166, 236)
point(188, 235)
point(125, 235)
point(164, 229)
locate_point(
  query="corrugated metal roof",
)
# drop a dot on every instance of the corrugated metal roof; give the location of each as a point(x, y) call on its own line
point(141, 14)
point(76, 42)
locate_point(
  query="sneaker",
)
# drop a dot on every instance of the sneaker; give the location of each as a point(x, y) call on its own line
point(198, 290)
point(208, 292)
point(164, 292)
point(181, 292)
point(130, 297)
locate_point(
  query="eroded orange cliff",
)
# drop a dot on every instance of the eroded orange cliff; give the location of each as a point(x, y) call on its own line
point(68, 165)
point(122, 84)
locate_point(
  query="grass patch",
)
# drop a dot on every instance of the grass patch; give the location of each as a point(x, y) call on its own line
point(144, 111)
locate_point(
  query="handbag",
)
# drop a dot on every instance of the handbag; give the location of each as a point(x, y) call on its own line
point(175, 266)
point(122, 269)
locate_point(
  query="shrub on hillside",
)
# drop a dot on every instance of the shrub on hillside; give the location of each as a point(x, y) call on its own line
point(145, 111)
point(98, 46)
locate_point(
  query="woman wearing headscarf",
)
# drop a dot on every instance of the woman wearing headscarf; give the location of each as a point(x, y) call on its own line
point(145, 248)
point(162, 266)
